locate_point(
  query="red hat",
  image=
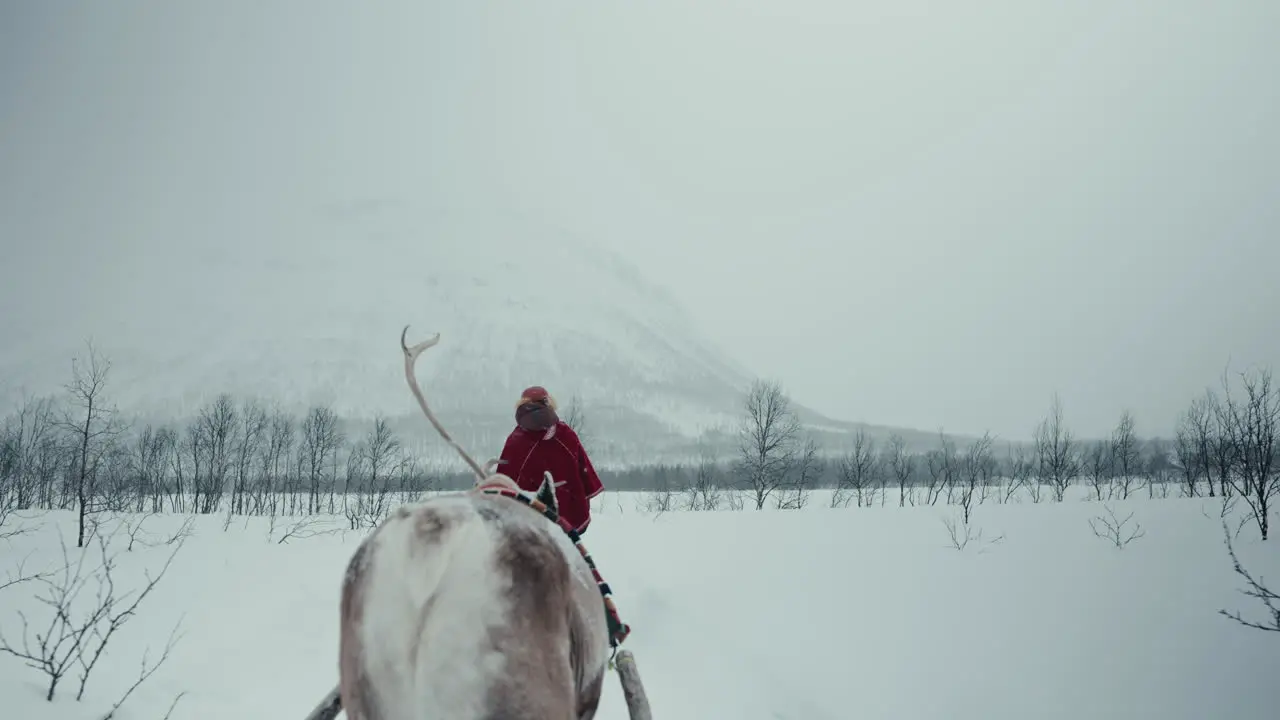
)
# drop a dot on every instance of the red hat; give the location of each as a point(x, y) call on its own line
point(536, 394)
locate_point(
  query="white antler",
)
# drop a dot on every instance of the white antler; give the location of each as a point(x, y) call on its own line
point(410, 357)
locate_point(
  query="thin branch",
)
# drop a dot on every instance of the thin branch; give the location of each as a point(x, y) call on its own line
point(1113, 529)
point(16, 577)
point(146, 672)
point(1257, 589)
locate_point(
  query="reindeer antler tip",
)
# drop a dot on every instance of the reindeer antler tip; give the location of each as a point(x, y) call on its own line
point(429, 342)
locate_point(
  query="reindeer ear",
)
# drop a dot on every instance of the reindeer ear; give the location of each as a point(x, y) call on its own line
point(547, 492)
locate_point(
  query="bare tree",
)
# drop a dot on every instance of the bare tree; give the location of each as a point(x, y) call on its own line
point(217, 428)
point(1058, 463)
point(768, 440)
point(1187, 457)
point(381, 457)
point(901, 464)
point(1114, 530)
point(976, 466)
point(94, 428)
point(135, 528)
point(115, 487)
point(177, 454)
point(9, 475)
point(1021, 467)
point(307, 527)
point(575, 417)
point(942, 467)
point(703, 491)
point(857, 472)
point(28, 441)
point(662, 498)
point(281, 435)
point(73, 638)
point(321, 439)
point(7, 506)
point(1222, 447)
point(962, 533)
point(1250, 425)
point(353, 492)
point(1125, 454)
point(1154, 466)
point(793, 494)
point(147, 462)
point(1098, 464)
point(249, 438)
point(1194, 437)
point(382, 451)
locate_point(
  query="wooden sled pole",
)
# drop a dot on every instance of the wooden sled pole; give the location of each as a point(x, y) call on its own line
point(328, 708)
point(632, 688)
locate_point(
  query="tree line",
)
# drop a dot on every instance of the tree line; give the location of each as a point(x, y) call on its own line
point(74, 451)
point(1224, 446)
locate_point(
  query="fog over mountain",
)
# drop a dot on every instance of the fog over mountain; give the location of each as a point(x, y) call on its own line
point(311, 310)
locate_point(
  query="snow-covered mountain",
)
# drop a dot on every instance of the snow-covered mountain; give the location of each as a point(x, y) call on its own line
point(311, 312)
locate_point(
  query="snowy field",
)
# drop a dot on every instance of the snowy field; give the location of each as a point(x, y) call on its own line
point(819, 613)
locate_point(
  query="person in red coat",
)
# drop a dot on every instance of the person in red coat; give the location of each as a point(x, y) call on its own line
point(541, 441)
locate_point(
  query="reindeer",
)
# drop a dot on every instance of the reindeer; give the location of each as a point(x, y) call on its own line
point(469, 606)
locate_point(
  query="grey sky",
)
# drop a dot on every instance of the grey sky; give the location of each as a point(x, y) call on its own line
point(911, 213)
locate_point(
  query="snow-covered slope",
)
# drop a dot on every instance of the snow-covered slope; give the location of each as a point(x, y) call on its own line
point(310, 309)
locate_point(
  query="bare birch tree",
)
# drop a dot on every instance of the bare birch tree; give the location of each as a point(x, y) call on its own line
point(857, 472)
point(249, 437)
point(215, 427)
point(1155, 467)
point(1125, 454)
point(381, 459)
point(901, 464)
point(1222, 446)
point(1187, 460)
point(803, 475)
point(703, 489)
point(1058, 463)
point(976, 466)
point(93, 427)
point(1196, 426)
point(320, 440)
point(1020, 467)
point(941, 464)
point(576, 417)
point(1250, 425)
point(768, 440)
point(29, 451)
point(1098, 464)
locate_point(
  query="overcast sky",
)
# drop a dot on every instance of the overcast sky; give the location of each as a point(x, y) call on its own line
point(915, 213)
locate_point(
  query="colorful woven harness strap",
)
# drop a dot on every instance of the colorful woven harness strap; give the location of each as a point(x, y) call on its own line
point(618, 630)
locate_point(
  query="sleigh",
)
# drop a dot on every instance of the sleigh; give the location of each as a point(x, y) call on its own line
point(495, 644)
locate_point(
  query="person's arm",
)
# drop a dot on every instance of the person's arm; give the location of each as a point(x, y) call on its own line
point(509, 467)
point(591, 485)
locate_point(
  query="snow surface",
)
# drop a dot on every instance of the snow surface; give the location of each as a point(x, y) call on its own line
point(819, 613)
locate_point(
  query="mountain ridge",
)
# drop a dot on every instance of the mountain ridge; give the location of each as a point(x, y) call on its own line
point(310, 312)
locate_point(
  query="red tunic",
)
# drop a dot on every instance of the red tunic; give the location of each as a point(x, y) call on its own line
point(528, 454)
